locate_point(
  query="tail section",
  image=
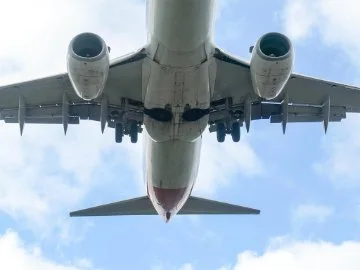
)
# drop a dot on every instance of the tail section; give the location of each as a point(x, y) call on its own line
point(143, 206)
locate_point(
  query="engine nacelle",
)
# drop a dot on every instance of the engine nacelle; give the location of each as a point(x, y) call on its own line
point(271, 64)
point(88, 65)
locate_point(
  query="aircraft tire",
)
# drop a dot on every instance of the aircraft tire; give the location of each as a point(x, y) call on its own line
point(134, 133)
point(220, 132)
point(119, 132)
point(235, 132)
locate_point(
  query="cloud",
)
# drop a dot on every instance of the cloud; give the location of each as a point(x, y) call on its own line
point(43, 173)
point(162, 265)
point(14, 255)
point(186, 266)
point(295, 28)
point(333, 20)
point(301, 256)
point(221, 162)
point(311, 213)
point(36, 49)
point(46, 174)
point(341, 148)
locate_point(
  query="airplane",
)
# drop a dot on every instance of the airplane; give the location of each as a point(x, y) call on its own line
point(172, 89)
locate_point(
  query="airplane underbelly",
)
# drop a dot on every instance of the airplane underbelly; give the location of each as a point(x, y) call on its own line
point(176, 98)
point(170, 172)
point(176, 91)
point(181, 25)
point(173, 147)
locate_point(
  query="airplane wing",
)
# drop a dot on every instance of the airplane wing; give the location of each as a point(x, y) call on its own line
point(304, 99)
point(52, 100)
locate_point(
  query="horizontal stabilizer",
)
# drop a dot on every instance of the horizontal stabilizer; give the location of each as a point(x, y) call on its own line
point(200, 206)
point(143, 206)
point(136, 206)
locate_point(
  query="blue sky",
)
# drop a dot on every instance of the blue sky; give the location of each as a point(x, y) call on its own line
point(306, 184)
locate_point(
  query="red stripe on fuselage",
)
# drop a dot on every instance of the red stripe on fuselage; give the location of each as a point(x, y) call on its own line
point(169, 198)
point(168, 201)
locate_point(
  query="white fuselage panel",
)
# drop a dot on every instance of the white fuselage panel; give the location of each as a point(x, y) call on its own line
point(179, 33)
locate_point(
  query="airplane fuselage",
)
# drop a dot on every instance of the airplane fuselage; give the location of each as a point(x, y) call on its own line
point(180, 47)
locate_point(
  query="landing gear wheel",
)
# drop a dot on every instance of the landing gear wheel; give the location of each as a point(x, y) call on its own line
point(119, 132)
point(134, 132)
point(235, 131)
point(220, 132)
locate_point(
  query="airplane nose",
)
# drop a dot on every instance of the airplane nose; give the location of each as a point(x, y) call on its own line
point(169, 198)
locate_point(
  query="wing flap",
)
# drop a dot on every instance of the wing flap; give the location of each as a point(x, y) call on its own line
point(43, 120)
point(296, 113)
point(304, 118)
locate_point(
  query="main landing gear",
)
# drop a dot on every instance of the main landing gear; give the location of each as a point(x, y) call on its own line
point(222, 130)
point(119, 132)
point(132, 129)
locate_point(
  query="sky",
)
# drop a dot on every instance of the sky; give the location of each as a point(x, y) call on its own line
point(306, 183)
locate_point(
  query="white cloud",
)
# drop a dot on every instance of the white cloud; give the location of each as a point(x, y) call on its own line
point(44, 174)
point(311, 213)
point(334, 20)
point(302, 256)
point(162, 265)
point(341, 147)
point(35, 41)
point(14, 255)
point(221, 162)
point(295, 28)
point(186, 266)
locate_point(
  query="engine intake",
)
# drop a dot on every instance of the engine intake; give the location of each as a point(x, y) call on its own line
point(88, 65)
point(274, 45)
point(271, 64)
point(87, 45)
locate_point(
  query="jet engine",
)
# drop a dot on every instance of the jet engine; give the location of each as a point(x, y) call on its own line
point(88, 65)
point(271, 64)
